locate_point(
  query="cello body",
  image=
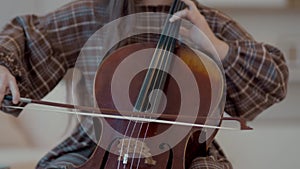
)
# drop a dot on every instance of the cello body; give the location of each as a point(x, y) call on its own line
point(163, 79)
point(129, 143)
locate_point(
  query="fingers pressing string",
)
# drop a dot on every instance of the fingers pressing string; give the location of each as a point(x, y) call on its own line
point(185, 13)
point(178, 15)
point(191, 5)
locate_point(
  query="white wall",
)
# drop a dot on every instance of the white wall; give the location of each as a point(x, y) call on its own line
point(11, 8)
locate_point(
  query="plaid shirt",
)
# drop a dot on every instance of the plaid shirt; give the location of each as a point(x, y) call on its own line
point(38, 50)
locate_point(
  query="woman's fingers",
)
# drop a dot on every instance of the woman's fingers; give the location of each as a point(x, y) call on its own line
point(14, 90)
point(190, 13)
point(184, 32)
point(178, 15)
point(191, 5)
point(8, 85)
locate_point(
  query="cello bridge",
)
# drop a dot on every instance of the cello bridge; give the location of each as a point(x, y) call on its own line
point(133, 148)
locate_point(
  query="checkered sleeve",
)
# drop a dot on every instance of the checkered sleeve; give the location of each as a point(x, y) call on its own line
point(38, 50)
point(256, 77)
point(256, 73)
point(18, 44)
point(73, 151)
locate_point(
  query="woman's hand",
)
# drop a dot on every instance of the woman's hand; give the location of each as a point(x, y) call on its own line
point(192, 14)
point(8, 85)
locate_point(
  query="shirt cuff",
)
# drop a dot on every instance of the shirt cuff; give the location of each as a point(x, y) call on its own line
point(8, 60)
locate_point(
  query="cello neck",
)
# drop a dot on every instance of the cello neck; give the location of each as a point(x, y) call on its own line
point(156, 75)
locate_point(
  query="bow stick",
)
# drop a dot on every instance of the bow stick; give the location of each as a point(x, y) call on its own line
point(136, 116)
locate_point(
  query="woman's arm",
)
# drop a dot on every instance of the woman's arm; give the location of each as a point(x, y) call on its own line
point(38, 50)
point(256, 73)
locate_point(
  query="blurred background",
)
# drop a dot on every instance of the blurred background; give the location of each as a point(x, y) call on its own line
point(272, 144)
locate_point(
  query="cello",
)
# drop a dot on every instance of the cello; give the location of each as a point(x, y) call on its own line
point(156, 90)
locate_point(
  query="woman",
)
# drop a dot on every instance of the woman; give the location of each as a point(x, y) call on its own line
point(41, 49)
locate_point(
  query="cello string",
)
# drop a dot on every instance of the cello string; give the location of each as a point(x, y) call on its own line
point(134, 128)
point(141, 102)
point(147, 89)
point(155, 81)
point(164, 60)
point(153, 62)
point(159, 52)
point(168, 48)
point(141, 105)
